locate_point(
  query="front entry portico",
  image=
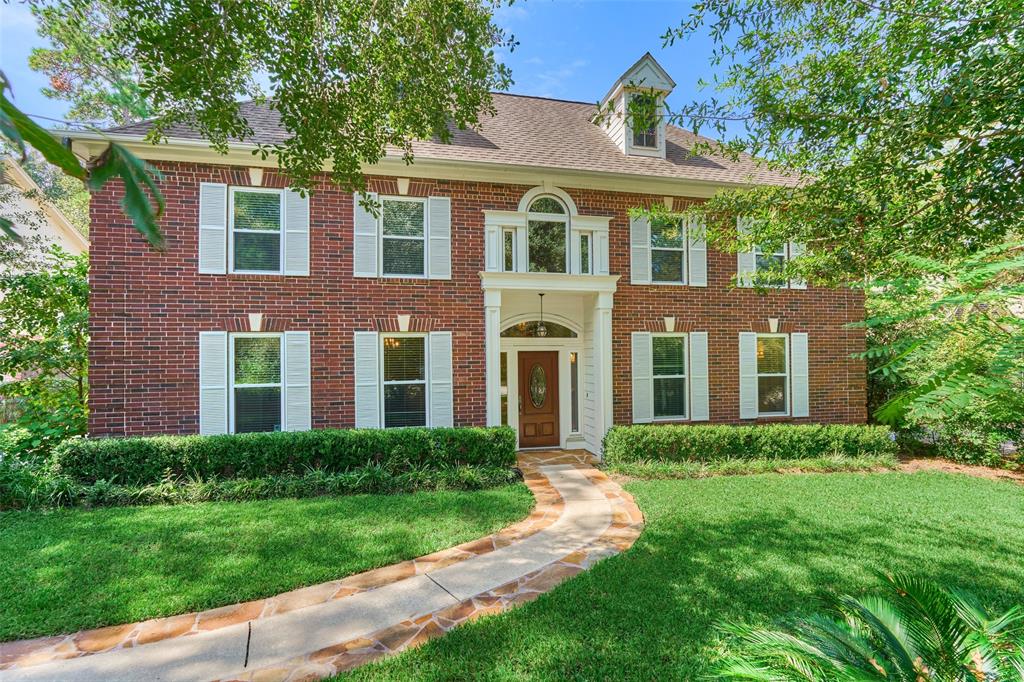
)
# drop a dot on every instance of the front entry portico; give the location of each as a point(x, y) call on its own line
point(555, 389)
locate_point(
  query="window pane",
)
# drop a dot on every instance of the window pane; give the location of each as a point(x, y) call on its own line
point(529, 330)
point(404, 358)
point(258, 251)
point(403, 256)
point(771, 355)
point(510, 250)
point(667, 233)
point(547, 205)
point(666, 266)
point(669, 397)
point(257, 360)
point(669, 355)
point(585, 254)
point(547, 246)
point(574, 389)
point(643, 120)
point(257, 211)
point(257, 409)
point(403, 218)
point(771, 394)
point(772, 263)
point(405, 405)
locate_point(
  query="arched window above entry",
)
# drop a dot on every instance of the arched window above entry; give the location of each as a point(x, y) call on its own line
point(547, 205)
point(547, 235)
point(527, 330)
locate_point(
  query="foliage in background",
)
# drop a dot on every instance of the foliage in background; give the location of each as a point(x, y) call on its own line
point(917, 632)
point(901, 125)
point(44, 320)
point(67, 194)
point(86, 66)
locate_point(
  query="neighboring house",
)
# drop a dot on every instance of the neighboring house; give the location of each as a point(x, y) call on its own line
point(273, 311)
point(52, 226)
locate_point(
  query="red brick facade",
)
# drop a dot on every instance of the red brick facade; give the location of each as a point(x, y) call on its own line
point(147, 309)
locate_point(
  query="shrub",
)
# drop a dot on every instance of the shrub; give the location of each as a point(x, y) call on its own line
point(675, 443)
point(142, 461)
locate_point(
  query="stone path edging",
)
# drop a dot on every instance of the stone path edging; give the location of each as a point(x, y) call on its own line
point(591, 518)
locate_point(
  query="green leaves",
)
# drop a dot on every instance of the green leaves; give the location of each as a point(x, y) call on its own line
point(20, 130)
point(142, 202)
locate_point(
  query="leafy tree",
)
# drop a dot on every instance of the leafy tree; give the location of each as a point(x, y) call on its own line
point(66, 193)
point(901, 126)
point(86, 66)
point(918, 632)
point(44, 317)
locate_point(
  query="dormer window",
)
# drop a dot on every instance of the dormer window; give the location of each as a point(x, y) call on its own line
point(645, 111)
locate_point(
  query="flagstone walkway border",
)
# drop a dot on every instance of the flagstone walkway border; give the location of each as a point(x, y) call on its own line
point(626, 525)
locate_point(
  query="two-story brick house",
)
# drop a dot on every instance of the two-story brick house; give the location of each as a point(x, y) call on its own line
point(501, 281)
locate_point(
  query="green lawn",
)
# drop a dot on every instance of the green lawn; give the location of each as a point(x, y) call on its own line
point(751, 548)
point(66, 570)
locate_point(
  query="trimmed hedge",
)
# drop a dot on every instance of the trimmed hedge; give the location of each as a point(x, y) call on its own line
point(143, 461)
point(675, 443)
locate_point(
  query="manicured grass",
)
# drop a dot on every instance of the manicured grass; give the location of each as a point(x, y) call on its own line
point(752, 549)
point(66, 570)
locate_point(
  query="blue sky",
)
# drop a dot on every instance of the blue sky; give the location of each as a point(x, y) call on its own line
point(569, 49)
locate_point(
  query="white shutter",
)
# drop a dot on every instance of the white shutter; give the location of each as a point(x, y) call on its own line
point(699, 395)
point(697, 252)
point(746, 262)
point(213, 382)
point(364, 238)
point(441, 408)
point(494, 248)
point(798, 372)
point(213, 228)
point(643, 380)
point(297, 408)
point(367, 380)
point(440, 247)
point(296, 233)
point(640, 250)
point(599, 252)
point(748, 375)
point(795, 251)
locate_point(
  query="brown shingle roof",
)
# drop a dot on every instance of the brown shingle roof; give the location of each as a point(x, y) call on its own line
point(539, 132)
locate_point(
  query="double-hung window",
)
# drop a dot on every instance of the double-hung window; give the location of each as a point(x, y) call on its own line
point(403, 237)
point(668, 250)
point(771, 262)
point(644, 122)
point(256, 387)
point(668, 359)
point(772, 374)
point(404, 380)
point(256, 243)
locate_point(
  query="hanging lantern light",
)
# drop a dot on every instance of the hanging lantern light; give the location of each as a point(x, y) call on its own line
point(542, 329)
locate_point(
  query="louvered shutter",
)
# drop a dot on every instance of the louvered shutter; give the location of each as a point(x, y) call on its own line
point(213, 228)
point(441, 408)
point(746, 262)
point(440, 246)
point(640, 250)
point(748, 375)
point(364, 238)
point(697, 254)
point(367, 380)
point(799, 374)
point(297, 408)
point(643, 380)
point(795, 251)
point(296, 233)
point(699, 395)
point(213, 382)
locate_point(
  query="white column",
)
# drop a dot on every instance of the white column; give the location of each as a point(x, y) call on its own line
point(602, 349)
point(492, 345)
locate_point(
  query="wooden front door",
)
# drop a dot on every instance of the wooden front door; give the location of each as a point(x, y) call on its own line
point(538, 399)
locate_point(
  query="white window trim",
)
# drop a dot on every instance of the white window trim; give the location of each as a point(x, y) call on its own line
point(685, 377)
point(588, 236)
point(657, 127)
point(784, 252)
point(231, 373)
point(684, 249)
point(785, 375)
point(425, 381)
point(381, 237)
point(515, 255)
point(231, 230)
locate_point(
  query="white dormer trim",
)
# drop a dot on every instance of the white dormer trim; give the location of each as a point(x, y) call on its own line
point(543, 190)
point(645, 73)
point(646, 76)
point(657, 151)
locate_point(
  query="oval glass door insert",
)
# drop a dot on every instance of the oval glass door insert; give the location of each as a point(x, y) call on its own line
point(538, 386)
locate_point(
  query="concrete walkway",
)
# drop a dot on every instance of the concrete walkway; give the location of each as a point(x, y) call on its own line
point(581, 517)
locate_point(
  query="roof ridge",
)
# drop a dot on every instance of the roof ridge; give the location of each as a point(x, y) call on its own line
point(548, 99)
